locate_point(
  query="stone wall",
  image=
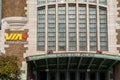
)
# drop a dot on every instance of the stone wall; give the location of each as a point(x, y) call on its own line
point(118, 5)
point(14, 8)
point(11, 8)
point(16, 49)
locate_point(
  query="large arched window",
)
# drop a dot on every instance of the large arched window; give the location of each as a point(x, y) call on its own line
point(72, 25)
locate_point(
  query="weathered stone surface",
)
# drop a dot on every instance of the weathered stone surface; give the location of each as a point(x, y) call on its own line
point(118, 36)
point(12, 8)
point(118, 5)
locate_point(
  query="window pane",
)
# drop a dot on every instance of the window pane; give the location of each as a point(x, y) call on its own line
point(51, 1)
point(41, 29)
point(41, 1)
point(92, 1)
point(48, 20)
point(72, 27)
point(51, 28)
point(103, 29)
point(61, 27)
point(82, 0)
point(103, 2)
point(93, 28)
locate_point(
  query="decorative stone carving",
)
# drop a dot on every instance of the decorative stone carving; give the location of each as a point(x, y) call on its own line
point(15, 22)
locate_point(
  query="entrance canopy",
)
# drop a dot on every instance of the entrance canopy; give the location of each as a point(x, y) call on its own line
point(73, 62)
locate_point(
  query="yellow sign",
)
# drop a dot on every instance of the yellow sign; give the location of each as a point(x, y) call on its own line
point(15, 36)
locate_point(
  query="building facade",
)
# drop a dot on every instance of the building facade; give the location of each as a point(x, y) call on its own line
point(63, 39)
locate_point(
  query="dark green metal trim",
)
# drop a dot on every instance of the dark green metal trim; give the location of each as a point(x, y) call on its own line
point(112, 65)
point(81, 70)
point(35, 64)
point(47, 75)
point(67, 75)
point(65, 62)
point(91, 63)
point(57, 63)
point(68, 65)
point(101, 64)
point(77, 76)
point(46, 63)
point(60, 64)
point(79, 63)
point(97, 75)
point(87, 76)
point(57, 76)
point(107, 77)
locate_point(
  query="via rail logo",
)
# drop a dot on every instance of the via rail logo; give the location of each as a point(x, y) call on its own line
point(16, 36)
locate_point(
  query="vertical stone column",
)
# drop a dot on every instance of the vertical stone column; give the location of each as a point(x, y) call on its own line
point(32, 26)
point(13, 21)
point(111, 21)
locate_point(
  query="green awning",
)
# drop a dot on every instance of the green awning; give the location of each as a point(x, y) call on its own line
point(73, 62)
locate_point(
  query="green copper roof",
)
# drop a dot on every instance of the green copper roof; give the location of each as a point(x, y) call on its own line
point(93, 55)
point(73, 61)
